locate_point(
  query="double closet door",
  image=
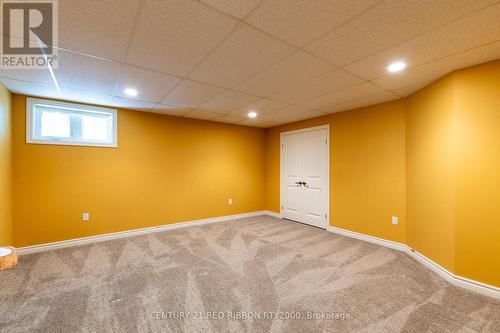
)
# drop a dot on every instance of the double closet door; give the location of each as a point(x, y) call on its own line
point(304, 176)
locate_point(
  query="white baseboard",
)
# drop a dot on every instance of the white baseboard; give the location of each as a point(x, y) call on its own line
point(273, 214)
point(371, 239)
point(131, 233)
point(455, 280)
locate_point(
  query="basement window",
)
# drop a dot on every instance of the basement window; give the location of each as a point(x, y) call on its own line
point(62, 123)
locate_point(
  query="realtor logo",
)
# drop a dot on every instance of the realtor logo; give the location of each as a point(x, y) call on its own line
point(29, 31)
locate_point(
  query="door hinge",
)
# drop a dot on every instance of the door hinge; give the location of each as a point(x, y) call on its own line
point(326, 141)
point(281, 206)
point(326, 216)
point(282, 146)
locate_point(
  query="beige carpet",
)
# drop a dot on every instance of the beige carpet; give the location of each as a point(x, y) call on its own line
point(252, 275)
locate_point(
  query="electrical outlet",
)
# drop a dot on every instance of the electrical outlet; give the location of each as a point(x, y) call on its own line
point(230, 201)
point(85, 217)
point(395, 220)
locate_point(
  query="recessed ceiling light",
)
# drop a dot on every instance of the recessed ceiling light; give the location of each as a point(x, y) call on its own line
point(252, 114)
point(130, 92)
point(396, 66)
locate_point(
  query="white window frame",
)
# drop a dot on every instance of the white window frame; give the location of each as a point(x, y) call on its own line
point(30, 125)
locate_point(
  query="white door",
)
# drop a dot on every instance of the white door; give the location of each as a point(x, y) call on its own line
point(305, 169)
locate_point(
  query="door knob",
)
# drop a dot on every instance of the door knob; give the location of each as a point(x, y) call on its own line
point(304, 183)
point(298, 183)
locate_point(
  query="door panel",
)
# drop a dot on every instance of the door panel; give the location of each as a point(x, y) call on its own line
point(292, 162)
point(315, 174)
point(293, 208)
point(312, 157)
point(312, 207)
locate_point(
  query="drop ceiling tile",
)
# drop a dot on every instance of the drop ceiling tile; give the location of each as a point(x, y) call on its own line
point(289, 114)
point(32, 75)
point(257, 123)
point(295, 68)
point(300, 22)
point(228, 101)
point(387, 24)
point(228, 118)
point(362, 90)
point(50, 91)
point(271, 116)
point(173, 36)
point(359, 103)
point(414, 75)
point(169, 110)
point(86, 26)
point(406, 91)
point(88, 97)
point(237, 9)
point(86, 73)
point(37, 75)
point(279, 123)
point(268, 125)
point(262, 106)
point(302, 116)
point(131, 104)
point(74, 71)
point(31, 88)
point(202, 114)
point(436, 69)
point(246, 52)
point(316, 86)
point(477, 29)
point(41, 76)
point(151, 86)
point(192, 94)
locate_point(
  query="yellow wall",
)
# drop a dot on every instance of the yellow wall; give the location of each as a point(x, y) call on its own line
point(165, 170)
point(367, 169)
point(478, 173)
point(430, 129)
point(5, 168)
point(453, 178)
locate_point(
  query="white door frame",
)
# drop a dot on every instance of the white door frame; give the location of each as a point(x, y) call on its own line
point(302, 130)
